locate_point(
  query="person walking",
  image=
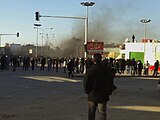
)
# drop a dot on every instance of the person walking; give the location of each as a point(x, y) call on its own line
point(133, 67)
point(49, 63)
point(70, 68)
point(156, 65)
point(98, 84)
point(146, 68)
point(57, 63)
point(140, 67)
point(32, 63)
point(15, 63)
point(43, 62)
point(64, 65)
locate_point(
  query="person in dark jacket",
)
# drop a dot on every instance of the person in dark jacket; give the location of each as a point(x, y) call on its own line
point(15, 63)
point(70, 68)
point(156, 65)
point(140, 67)
point(43, 62)
point(98, 84)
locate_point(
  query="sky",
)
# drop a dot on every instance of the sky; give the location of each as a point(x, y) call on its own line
point(109, 20)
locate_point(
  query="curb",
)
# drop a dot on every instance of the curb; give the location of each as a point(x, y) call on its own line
point(82, 75)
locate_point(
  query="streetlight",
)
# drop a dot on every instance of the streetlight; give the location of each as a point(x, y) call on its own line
point(37, 25)
point(145, 21)
point(86, 4)
point(42, 35)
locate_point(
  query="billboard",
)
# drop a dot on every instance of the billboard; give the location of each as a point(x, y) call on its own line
point(95, 47)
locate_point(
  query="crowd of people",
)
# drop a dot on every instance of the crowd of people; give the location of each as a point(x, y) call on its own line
point(70, 65)
point(135, 67)
point(76, 65)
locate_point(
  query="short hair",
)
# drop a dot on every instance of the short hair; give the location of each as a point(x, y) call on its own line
point(97, 58)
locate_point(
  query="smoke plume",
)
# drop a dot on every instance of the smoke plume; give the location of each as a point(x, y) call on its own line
point(105, 24)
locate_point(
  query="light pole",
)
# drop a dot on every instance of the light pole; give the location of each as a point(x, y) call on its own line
point(145, 21)
point(37, 25)
point(87, 4)
point(43, 30)
point(42, 35)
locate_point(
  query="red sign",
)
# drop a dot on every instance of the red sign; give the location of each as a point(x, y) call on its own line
point(95, 47)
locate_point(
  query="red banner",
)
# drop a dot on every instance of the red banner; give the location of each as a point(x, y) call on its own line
point(95, 47)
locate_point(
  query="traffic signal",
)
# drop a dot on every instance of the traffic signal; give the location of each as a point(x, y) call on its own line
point(37, 16)
point(17, 34)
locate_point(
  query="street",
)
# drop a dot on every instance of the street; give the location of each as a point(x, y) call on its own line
point(50, 95)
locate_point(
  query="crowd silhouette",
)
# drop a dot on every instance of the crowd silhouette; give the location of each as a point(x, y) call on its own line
point(77, 65)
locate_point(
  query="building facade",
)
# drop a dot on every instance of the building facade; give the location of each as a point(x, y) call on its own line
point(148, 50)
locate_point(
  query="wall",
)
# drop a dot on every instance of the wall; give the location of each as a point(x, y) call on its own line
point(151, 54)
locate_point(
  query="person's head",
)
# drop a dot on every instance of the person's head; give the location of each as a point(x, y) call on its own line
point(97, 58)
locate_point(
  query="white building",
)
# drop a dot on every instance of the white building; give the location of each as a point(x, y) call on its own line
point(144, 51)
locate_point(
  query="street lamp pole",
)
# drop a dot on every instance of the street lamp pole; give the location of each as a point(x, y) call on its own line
point(42, 35)
point(37, 25)
point(145, 21)
point(87, 4)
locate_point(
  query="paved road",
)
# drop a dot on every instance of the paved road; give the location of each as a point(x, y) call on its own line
point(47, 95)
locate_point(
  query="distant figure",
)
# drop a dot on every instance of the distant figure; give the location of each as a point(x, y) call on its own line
point(64, 65)
point(117, 66)
point(123, 65)
point(57, 62)
point(49, 63)
point(76, 62)
point(53, 62)
point(140, 67)
point(70, 68)
point(15, 63)
point(82, 63)
point(156, 65)
point(32, 63)
point(133, 67)
point(133, 38)
point(146, 68)
point(43, 62)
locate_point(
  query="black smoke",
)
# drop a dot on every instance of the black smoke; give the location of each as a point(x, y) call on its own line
point(106, 23)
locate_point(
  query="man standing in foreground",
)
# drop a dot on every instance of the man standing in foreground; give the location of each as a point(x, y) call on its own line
point(98, 82)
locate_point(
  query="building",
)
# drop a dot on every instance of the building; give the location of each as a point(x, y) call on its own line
point(146, 50)
point(111, 50)
point(14, 48)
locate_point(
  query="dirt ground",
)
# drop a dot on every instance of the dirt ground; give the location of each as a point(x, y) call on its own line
point(47, 95)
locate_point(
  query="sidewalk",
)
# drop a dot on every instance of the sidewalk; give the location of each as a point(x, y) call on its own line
point(123, 75)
